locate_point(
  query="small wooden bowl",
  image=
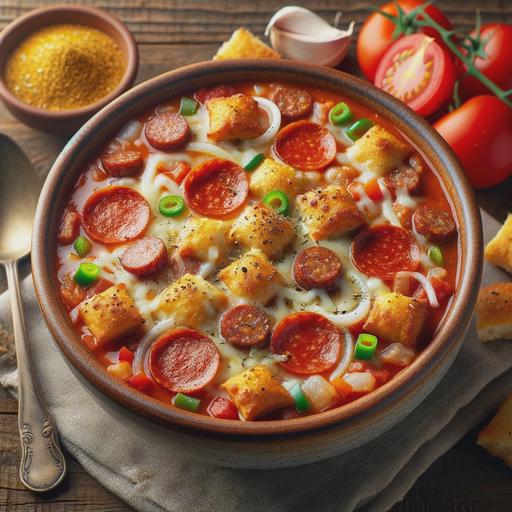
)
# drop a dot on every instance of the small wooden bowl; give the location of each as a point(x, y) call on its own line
point(64, 121)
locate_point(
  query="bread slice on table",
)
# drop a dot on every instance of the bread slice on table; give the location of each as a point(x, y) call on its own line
point(244, 45)
point(496, 437)
point(499, 250)
point(494, 312)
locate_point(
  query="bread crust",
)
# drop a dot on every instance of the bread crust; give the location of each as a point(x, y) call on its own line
point(494, 312)
point(243, 44)
point(499, 250)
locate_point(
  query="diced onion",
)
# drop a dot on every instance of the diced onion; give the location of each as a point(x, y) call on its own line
point(427, 285)
point(360, 382)
point(210, 149)
point(130, 130)
point(438, 272)
point(346, 358)
point(274, 116)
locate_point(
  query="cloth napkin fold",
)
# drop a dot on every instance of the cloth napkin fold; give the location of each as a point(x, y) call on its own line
point(137, 464)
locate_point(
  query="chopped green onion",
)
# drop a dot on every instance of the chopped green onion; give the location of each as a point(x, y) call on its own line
point(171, 206)
point(278, 201)
point(435, 255)
point(358, 129)
point(87, 273)
point(301, 402)
point(82, 246)
point(340, 114)
point(188, 106)
point(366, 346)
point(255, 161)
point(186, 402)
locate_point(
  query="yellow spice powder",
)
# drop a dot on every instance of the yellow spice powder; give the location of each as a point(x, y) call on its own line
point(64, 67)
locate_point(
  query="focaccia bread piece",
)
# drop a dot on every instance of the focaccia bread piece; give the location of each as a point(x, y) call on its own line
point(244, 45)
point(191, 300)
point(232, 118)
point(272, 175)
point(256, 392)
point(110, 314)
point(329, 212)
point(494, 312)
point(396, 317)
point(499, 250)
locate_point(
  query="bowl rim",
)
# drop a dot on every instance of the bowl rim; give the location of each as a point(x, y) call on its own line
point(132, 61)
point(446, 339)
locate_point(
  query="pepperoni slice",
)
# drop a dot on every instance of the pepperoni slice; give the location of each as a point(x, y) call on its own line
point(167, 131)
point(384, 250)
point(216, 188)
point(306, 146)
point(436, 224)
point(115, 214)
point(184, 360)
point(245, 326)
point(293, 103)
point(122, 163)
point(317, 267)
point(222, 91)
point(311, 343)
point(145, 256)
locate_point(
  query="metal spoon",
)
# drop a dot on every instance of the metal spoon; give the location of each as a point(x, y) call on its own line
point(42, 463)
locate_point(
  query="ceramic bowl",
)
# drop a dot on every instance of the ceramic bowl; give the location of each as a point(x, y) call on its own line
point(262, 444)
point(64, 121)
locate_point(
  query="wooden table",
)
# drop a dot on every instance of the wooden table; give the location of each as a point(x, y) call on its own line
point(171, 34)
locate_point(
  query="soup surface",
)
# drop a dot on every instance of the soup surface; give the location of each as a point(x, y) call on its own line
point(257, 251)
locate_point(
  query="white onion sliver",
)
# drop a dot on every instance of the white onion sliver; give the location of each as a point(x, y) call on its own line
point(274, 115)
point(347, 356)
point(209, 149)
point(427, 285)
point(130, 131)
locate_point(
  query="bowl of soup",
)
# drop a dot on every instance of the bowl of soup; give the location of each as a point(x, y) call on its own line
point(275, 262)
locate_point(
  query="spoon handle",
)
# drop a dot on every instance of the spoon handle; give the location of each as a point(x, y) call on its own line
point(42, 462)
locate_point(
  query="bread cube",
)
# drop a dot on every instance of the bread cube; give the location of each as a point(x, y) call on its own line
point(232, 118)
point(259, 227)
point(329, 212)
point(494, 312)
point(110, 314)
point(191, 300)
point(252, 276)
point(499, 250)
point(378, 151)
point(256, 392)
point(271, 175)
point(204, 239)
point(244, 45)
point(396, 317)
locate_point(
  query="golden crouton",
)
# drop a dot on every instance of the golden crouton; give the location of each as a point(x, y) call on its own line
point(494, 312)
point(378, 151)
point(396, 317)
point(252, 276)
point(256, 392)
point(329, 212)
point(191, 300)
point(204, 239)
point(110, 314)
point(232, 118)
point(272, 175)
point(259, 227)
point(245, 45)
point(499, 250)
point(496, 437)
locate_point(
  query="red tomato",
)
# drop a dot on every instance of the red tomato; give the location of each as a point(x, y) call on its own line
point(376, 34)
point(480, 134)
point(125, 354)
point(417, 71)
point(223, 408)
point(497, 64)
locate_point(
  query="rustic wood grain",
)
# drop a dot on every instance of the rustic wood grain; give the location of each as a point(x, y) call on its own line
point(178, 32)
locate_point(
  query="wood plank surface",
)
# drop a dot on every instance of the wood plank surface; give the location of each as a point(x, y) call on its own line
point(178, 32)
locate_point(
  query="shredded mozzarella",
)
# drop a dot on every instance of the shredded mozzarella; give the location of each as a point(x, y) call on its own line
point(427, 285)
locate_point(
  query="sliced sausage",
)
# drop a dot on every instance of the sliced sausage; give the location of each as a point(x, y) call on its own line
point(69, 227)
point(317, 267)
point(404, 215)
point(122, 163)
point(407, 179)
point(167, 131)
point(245, 326)
point(293, 103)
point(145, 256)
point(435, 224)
point(221, 91)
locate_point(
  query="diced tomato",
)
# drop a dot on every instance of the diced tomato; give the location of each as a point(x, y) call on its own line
point(371, 189)
point(101, 285)
point(443, 290)
point(175, 170)
point(141, 382)
point(381, 376)
point(125, 354)
point(223, 408)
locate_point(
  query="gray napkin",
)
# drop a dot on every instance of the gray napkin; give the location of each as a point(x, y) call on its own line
point(137, 464)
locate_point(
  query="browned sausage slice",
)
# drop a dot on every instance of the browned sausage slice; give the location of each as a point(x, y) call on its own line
point(69, 227)
point(435, 224)
point(245, 326)
point(167, 131)
point(407, 179)
point(293, 103)
point(317, 267)
point(122, 163)
point(145, 256)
